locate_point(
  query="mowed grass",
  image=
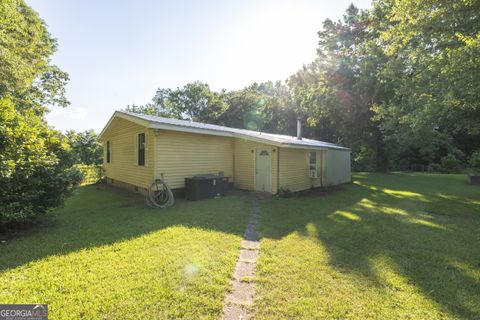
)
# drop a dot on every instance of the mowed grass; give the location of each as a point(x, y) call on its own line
point(396, 246)
point(108, 256)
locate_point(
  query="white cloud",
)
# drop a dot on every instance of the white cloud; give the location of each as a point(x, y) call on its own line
point(74, 113)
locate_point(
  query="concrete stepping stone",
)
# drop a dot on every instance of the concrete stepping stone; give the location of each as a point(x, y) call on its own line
point(241, 295)
point(251, 245)
point(248, 255)
point(244, 269)
point(235, 312)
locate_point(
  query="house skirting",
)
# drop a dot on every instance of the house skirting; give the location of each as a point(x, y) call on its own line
point(126, 186)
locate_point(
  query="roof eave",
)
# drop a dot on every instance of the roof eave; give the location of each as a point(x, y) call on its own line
point(119, 114)
point(278, 144)
point(298, 146)
point(173, 127)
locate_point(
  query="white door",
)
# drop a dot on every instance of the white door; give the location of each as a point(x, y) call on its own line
point(263, 169)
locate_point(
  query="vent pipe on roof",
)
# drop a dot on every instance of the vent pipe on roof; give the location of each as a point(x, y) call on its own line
point(299, 129)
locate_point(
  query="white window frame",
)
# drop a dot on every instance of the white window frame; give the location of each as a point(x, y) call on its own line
point(312, 166)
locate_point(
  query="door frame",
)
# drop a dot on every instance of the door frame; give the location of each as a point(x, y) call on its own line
point(255, 168)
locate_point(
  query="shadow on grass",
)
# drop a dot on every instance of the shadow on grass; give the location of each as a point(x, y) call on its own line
point(427, 226)
point(97, 215)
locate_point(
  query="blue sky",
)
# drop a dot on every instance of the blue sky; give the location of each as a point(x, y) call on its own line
point(119, 52)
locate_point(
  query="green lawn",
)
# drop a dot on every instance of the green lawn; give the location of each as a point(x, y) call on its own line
point(108, 256)
point(398, 246)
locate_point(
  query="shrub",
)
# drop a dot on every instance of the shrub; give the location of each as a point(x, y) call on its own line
point(35, 169)
point(434, 167)
point(90, 173)
point(450, 163)
point(475, 161)
point(363, 160)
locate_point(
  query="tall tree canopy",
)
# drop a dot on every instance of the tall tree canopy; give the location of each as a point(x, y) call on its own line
point(337, 91)
point(433, 66)
point(397, 83)
point(195, 101)
point(25, 50)
point(35, 162)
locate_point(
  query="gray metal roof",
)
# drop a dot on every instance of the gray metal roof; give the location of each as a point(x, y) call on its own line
point(156, 122)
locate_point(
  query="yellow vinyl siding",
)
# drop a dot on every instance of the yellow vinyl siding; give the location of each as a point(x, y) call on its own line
point(176, 155)
point(244, 164)
point(294, 170)
point(180, 155)
point(123, 166)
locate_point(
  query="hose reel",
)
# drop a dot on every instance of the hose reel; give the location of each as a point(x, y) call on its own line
point(159, 194)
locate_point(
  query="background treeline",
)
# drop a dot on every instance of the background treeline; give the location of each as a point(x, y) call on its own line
point(399, 84)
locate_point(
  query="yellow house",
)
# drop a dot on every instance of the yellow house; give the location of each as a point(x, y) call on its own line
point(139, 148)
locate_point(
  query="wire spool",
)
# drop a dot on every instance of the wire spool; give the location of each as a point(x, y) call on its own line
point(159, 194)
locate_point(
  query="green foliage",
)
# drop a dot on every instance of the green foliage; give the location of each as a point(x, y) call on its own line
point(259, 107)
point(35, 161)
point(85, 147)
point(434, 167)
point(433, 66)
point(35, 172)
point(363, 159)
point(398, 84)
point(90, 173)
point(195, 101)
point(148, 109)
point(25, 51)
point(475, 161)
point(450, 163)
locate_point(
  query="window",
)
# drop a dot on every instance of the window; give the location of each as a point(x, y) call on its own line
point(312, 160)
point(108, 151)
point(141, 149)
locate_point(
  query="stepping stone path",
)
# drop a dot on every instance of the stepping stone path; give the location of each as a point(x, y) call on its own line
point(238, 303)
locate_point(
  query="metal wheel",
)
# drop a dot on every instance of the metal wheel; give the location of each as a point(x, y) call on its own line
point(160, 193)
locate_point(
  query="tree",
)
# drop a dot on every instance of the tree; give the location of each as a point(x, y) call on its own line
point(26, 74)
point(148, 109)
point(336, 93)
point(195, 101)
point(85, 147)
point(35, 163)
point(259, 107)
point(434, 66)
point(35, 167)
point(398, 84)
